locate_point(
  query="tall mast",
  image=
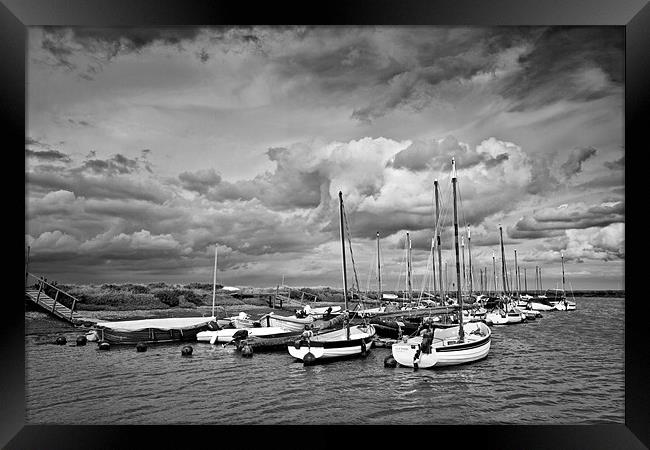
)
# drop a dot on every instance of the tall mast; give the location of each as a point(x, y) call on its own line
point(461, 330)
point(525, 282)
point(379, 296)
point(435, 184)
point(541, 288)
point(537, 279)
point(433, 261)
point(562, 256)
point(408, 265)
point(494, 270)
point(469, 253)
point(214, 279)
point(516, 282)
point(462, 247)
point(345, 278)
point(503, 260)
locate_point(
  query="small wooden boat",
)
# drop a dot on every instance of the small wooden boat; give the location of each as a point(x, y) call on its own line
point(334, 344)
point(225, 335)
point(446, 348)
point(150, 331)
point(289, 323)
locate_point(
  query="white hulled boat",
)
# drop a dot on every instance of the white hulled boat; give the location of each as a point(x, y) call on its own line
point(459, 344)
point(338, 343)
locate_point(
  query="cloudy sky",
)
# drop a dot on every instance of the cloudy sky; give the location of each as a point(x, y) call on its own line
point(146, 147)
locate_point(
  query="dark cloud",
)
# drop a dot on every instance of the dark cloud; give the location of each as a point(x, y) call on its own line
point(118, 164)
point(573, 165)
point(615, 165)
point(48, 155)
point(200, 181)
point(568, 54)
point(553, 222)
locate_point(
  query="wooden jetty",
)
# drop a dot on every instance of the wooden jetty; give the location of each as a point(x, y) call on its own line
point(53, 306)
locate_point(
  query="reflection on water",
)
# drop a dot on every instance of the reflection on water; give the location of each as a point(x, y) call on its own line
point(566, 368)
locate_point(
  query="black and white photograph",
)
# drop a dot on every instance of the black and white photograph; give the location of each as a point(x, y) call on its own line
point(325, 225)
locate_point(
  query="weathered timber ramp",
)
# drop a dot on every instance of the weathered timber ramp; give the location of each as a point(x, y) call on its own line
point(53, 306)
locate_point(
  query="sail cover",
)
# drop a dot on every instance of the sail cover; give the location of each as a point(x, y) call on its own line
point(161, 324)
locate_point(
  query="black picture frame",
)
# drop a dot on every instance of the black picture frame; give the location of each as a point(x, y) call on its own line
point(16, 15)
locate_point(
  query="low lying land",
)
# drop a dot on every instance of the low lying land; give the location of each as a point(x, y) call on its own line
point(193, 296)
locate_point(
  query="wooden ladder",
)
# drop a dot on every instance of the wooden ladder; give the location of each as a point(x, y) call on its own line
point(52, 306)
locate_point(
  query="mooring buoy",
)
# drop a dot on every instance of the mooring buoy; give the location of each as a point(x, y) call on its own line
point(81, 340)
point(61, 340)
point(104, 346)
point(247, 351)
point(187, 350)
point(389, 361)
point(308, 359)
point(141, 347)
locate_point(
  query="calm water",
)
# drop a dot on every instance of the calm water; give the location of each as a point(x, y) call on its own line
point(566, 368)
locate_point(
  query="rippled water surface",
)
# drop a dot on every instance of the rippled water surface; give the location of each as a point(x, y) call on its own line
point(566, 368)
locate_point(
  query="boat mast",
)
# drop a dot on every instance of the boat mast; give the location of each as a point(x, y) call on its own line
point(214, 279)
point(379, 296)
point(503, 265)
point(408, 265)
point(525, 282)
point(345, 278)
point(541, 288)
point(518, 288)
point(494, 270)
point(469, 253)
point(462, 246)
point(461, 330)
point(562, 256)
point(435, 184)
point(537, 279)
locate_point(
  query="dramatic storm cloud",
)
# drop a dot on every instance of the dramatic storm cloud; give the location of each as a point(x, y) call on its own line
point(148, 146)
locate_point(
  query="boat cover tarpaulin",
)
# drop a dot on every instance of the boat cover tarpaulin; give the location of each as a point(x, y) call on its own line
point(177, 323)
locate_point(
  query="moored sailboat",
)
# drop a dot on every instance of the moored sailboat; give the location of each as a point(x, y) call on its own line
point(459, 344)
point(338, 343)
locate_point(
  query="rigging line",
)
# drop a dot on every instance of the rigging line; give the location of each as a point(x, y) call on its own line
point(354, 268)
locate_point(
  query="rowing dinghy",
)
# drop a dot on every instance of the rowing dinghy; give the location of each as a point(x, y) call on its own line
point(226, 335)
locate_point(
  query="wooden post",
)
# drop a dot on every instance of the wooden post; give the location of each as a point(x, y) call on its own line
point(74, 302)
point(56, 296)
point(40, 288)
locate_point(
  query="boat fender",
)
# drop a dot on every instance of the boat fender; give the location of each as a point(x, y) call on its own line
point(416, 359)
point(247, 351)
point(364, 350)
point(104, 346)
point(141, 347)
point(389, 361)
point(60, 340)
point(308, 359)
point(81, 340)
point(187, 350)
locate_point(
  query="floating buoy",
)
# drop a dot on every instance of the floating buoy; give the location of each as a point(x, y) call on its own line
point(247, 351)
point(104, 346)
point(81, 340)
point(61, 340)
point(141, 347)
point(389, 361)
point(308, 359)
point(187, 350)
point(92, 336)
